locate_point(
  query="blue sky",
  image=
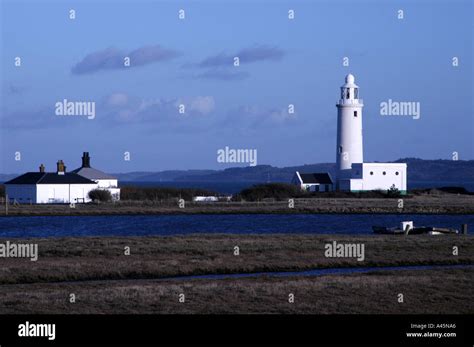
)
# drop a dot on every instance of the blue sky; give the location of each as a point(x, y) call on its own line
point(190, 62)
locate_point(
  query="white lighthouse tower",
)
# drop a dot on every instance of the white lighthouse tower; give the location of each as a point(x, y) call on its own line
point(353, 175)
point(349, 130)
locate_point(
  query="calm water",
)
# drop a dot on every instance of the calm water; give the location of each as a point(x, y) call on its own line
point(57, 226)
point(322, 272)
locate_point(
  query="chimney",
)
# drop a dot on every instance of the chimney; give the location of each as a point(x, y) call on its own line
point(41, 168)
point(86, 160)
point(61, 168)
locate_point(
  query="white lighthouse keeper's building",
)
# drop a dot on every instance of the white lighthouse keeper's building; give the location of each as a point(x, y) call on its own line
point(352, 173)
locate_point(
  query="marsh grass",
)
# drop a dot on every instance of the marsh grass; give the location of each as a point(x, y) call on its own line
point(107, 281)
point(424, 203)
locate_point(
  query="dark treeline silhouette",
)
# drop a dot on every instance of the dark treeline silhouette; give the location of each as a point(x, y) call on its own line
point(283, 191)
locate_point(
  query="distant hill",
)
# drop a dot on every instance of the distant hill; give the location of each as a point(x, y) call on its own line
point(418, 170)
point(439, 170)
point(166, 176)
point(260, 173)
point(7, 177)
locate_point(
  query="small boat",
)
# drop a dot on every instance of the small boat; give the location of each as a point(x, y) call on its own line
point(387, 230)
point(409, 229)
point(439, 231)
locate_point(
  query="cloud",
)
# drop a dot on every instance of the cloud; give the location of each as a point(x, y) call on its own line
point(158, 115)
point(219, 66)
point(222, 74)
point(35, 118)
point(150, 54)
point(202, 104)
point(122, 108)
point(200, 114)
point(12, 89)
point(246, 55)
point(258, 115)
point(260, 53)
point(251, 119)
point(112, 58)
point(117, 99)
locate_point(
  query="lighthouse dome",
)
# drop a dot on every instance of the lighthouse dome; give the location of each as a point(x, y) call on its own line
point(350, 79)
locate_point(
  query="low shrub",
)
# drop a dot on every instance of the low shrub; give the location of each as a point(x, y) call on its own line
point(278, 191)
point(101, 195)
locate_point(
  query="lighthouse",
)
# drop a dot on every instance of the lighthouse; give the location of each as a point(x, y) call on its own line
point(352, 174)
point(349, 149)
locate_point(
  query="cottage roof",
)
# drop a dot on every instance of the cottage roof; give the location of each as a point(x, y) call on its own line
point(49, 178)
point(321, 178)
point(93, 174)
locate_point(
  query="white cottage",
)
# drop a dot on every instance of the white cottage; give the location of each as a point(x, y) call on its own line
point(103, 180)
point(49, 187)
point(313, 182)
point(61, 187)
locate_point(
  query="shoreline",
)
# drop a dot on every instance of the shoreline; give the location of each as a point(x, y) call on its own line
point(230, 213)
point(449, 204)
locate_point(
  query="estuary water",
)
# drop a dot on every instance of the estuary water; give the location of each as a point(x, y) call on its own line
point(139, 225)
point(322, 272)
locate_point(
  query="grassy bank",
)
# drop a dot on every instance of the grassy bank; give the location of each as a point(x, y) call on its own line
point(107, 281)
point(90, 258)
point(426, 204)
point(427, 292)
